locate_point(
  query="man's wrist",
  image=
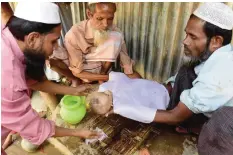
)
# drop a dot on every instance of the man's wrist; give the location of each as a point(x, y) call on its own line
point(73, 132)
point(76, 132)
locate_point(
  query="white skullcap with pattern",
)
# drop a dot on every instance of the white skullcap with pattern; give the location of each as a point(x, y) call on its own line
point(36, 11)
point(216, 13)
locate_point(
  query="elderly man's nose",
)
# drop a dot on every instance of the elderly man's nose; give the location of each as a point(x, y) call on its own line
point(105, 23)
point(186, 41)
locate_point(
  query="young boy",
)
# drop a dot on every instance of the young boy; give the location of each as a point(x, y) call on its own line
point(136, 99)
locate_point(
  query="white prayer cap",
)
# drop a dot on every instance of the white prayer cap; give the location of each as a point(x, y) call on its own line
point(218, 14)
point(44, 12)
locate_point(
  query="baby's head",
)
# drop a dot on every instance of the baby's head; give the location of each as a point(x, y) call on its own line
point(100, 102)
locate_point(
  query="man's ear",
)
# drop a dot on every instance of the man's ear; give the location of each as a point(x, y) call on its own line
point(32, 39)
point(215, 43)
point(89, 14)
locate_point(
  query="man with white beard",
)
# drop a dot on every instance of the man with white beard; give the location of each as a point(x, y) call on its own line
point(93, 45)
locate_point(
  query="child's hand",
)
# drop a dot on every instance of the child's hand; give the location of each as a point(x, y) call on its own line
point(87, 134)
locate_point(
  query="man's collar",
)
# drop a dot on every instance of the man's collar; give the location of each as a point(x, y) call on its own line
point(225, 48)
point(88, 30)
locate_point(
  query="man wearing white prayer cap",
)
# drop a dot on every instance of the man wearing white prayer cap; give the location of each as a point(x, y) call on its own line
point(28, 38)
point(207, 47)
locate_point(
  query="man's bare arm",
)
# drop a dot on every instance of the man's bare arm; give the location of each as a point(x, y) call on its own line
point(83, 133)
point(180, 113)
point(91, 76)
point(50, 87)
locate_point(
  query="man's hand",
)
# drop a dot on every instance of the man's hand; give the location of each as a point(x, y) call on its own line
point(84, 89)
point(87, 134)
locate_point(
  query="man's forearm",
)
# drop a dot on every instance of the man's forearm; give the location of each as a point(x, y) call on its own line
point(163, 116)
point(61, 132)
point(174, 116)
point(50, 87)
point(91, 76)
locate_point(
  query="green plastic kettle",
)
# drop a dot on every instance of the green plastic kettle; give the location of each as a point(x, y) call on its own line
point(73, 108)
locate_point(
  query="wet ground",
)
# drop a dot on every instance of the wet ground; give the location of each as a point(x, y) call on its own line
point(171, 143)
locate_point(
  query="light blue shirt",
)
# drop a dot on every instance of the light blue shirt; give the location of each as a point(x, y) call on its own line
point(213, 88)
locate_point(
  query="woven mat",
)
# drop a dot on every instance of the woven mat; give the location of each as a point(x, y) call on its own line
point(124, 136)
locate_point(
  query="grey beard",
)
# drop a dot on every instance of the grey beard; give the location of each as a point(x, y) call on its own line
point(194, 61)
point(190, 61)
point(100, 36)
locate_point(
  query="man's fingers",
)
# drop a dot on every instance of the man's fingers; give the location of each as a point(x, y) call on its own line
point(88, 86)
point(95, 135)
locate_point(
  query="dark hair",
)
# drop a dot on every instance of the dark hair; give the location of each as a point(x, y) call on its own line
point(20, 27)
point(92, 6)
point(213, 30)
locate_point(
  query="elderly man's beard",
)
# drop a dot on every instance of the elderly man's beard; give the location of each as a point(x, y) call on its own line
point(194, 61)
point(35, 61)
point(100, 36)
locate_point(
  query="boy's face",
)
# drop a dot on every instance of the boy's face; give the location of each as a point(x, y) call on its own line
point(101, 102)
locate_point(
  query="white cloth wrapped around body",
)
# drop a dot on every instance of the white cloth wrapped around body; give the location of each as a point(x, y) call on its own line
point(136, 99)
